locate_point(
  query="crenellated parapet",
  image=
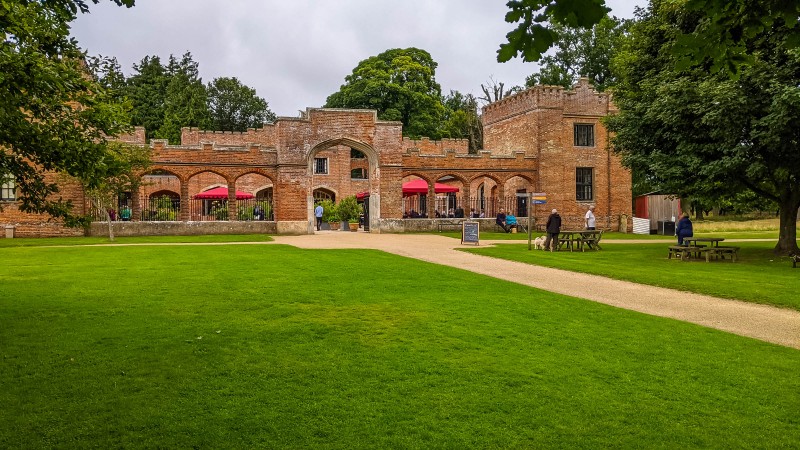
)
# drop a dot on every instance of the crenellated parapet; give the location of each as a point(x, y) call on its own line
point(427, 146)
point(265, 136)
point(582, 99)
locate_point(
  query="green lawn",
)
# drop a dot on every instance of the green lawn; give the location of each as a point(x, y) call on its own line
point(493, 235)
point(40, 242)
point(758, 276)
point(268, 346)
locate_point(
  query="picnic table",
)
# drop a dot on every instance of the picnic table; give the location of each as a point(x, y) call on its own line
point(575, 240)
point(693, 241)
point(694, 247)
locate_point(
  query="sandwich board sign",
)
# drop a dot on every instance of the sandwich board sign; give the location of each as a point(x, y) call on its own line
point(470, 232)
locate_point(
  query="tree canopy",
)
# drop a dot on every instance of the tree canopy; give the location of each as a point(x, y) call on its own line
point(401, 85)
point(233, 106)
point(582, 52)
point(707, 135)
point(718, 41)
point(55, 117)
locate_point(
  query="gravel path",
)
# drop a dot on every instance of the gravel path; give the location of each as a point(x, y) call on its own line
point(767, 323)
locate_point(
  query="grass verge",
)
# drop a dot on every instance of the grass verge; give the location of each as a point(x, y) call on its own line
point(758, 276)
point(68, 241)
point(269, 346)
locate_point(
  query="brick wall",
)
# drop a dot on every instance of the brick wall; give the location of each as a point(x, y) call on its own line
point(540, 122)
point(529, 137)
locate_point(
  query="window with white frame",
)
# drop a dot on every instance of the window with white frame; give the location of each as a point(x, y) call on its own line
point(584, 135)
point(320, 166)
point(583, 184)
point(358, 173)
point(8, 189)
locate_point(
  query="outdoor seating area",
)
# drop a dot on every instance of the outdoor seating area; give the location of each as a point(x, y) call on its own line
point(580, 240)
point(695, 249)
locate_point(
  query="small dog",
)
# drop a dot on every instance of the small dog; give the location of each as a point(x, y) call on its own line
point(538, 243)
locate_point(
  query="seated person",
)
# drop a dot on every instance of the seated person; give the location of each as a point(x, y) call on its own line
point(511, 221)
point(684, 229)
point(459, 212)
point(501, 221)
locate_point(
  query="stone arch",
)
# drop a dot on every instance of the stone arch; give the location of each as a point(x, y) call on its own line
point(263, 173)
point(163, 170)
point(325, 193)
point(373, 178)
point(220, 173)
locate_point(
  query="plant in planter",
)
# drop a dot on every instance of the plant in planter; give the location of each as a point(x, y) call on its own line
point(349, 210)
point(329, 214)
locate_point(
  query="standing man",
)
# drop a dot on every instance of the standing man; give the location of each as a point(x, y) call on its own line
point(553, 228)
point(318, 214)
point(589, 220)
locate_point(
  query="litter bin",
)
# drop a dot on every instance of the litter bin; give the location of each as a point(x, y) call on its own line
point(10, 231)
point(666, 228)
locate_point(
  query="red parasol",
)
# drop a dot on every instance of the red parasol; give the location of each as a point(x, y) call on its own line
point(221, 193)
point(420, 186)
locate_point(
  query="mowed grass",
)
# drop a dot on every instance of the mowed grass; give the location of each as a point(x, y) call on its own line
point(98, 240)
point(758, 276)
point(269, 346)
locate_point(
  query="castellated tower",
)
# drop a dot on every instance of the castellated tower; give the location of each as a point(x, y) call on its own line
point(562, 130)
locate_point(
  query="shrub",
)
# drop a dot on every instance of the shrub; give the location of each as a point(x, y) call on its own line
point(349, 209)
point(329, 213)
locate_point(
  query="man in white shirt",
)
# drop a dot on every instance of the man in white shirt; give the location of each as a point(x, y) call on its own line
point(589, 219)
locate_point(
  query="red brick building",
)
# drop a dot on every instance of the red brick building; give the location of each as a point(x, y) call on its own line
point(544, 139)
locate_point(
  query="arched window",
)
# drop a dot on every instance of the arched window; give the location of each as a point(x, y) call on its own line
point(356, 154)
point(358, 173)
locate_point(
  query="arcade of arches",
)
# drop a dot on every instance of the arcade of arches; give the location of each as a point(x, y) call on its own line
point(540, 140)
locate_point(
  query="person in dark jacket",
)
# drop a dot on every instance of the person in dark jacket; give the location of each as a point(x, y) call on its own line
point(553, 227)
point(501, 221)
point(684, 228)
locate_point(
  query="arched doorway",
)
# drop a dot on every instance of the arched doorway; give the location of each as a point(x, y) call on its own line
point(340, 168)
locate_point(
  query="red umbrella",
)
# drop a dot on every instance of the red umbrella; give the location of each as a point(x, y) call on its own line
point(420, 186)
point(221, 193)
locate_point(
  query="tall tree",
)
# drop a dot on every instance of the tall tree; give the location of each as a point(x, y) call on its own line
point(462, 120)
point(147, 90)
point(236, 107)
point(705, 135)
point(401, 85)
point(55, 117)
point(185, 99)
point(582, 52)
point(108, 74)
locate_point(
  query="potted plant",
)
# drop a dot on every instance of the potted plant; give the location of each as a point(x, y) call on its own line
point(329, 214)
point(353, 224)
point(349, 210)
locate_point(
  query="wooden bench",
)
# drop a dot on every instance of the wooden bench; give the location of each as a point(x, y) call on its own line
point(449, 224)
point(720, 252)
point(684, 252)
point(592, 242)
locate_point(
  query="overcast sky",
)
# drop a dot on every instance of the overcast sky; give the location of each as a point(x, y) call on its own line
point(297, 52)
